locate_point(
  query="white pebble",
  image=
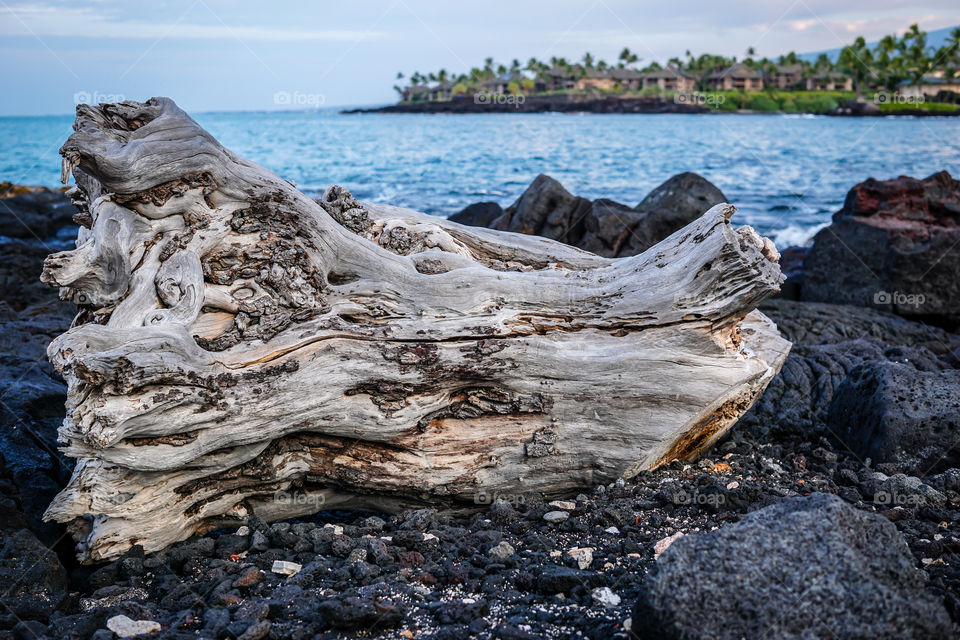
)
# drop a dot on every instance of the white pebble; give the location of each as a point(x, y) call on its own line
point(126, 627)
point(612, 530)
point(605, 597)
point(584, 556)
point(566, 505)
point(556, 516)
point(285, 568)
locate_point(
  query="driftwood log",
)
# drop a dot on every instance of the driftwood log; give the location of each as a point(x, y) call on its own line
point(242, 349)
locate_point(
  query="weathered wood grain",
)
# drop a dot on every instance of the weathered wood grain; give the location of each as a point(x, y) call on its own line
point(241, 348)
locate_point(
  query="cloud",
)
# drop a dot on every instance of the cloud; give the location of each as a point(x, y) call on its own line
point(803, 25)
point(43, 20)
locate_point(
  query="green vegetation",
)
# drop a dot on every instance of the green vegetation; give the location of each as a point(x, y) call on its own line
point(894, 107)
point(776, 100)
point(763, 103)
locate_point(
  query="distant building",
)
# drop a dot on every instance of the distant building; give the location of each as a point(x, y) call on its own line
point(441, 92)
point(556, 79)
point(586, 78)
point(627, 79)
point(829, 81)
point(930, 85)
point(786, 76)
point(670, 79)
point(575, 78)
point(501, 84)
point(416, 92)
point(736, 77)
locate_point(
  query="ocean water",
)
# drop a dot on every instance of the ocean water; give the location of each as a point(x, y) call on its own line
point(786, 173)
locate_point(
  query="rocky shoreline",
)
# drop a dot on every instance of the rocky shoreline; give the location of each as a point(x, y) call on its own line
point(845, 475)
point(564, 103)
point(540, 104)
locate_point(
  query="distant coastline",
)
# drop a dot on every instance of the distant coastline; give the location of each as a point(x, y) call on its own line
point(821, 103)
point(541, 104)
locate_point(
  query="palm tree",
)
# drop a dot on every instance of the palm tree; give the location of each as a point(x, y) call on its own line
point(399, 75)
point(488, 67)
point(949, 54)
point(885, 62)
point(854, 61)
point(588, 60)
point(626, 58)
point(916, 61)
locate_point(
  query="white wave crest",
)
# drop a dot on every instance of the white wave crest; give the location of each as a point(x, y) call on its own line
point(796, 235)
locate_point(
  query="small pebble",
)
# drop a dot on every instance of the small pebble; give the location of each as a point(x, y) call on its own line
point(285, 568)
point(566, 505)
point(583, 555)
point(664, 543)
point(605, 597)
point(556, 516)
point(502, 550)
point(126, 627)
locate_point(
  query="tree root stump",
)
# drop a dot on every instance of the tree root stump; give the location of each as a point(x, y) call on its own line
point(242, 349)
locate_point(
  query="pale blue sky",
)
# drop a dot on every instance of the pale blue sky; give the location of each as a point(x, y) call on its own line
point(236, 55)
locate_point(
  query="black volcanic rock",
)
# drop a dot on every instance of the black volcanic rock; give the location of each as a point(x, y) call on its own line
point(546, 209)
point(804, 568)
point(687, 194)
point(34, 581)
point(832, 345)
point(604, 227)
point(478, 214)
point(33, 212)
point(895, 245)
point(31, 315)
point(891, 412)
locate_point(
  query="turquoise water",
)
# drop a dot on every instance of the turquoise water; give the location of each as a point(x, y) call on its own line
point(786, 173)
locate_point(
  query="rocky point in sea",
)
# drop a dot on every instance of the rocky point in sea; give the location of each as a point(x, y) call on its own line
point(839, 461)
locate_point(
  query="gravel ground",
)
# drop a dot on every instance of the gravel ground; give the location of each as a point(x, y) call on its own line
point(505, 572)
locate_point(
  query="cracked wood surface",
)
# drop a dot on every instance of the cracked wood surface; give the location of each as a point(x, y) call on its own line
point(242, 349)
